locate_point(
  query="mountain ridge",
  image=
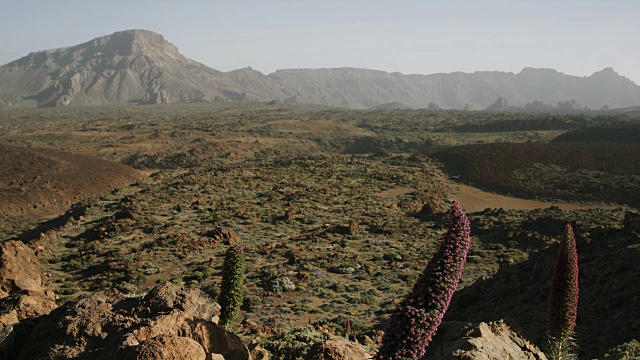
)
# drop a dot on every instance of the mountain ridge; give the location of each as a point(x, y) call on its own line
point(141, 66)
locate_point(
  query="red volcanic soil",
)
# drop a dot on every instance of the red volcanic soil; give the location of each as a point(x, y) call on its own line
point(44, 182)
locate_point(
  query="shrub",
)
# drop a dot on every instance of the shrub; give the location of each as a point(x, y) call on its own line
point(416, 319)
point(626, 351)
point(230, 298)
point(296, 342)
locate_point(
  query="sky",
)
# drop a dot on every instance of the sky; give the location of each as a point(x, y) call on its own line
point(410, 37)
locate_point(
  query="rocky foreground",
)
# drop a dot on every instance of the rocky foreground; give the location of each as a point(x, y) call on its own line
point(171, 322)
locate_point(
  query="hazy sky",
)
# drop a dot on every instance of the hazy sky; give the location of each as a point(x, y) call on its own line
point(574, 37)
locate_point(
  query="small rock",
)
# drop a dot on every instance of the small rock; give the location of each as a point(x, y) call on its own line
point(354, 227)
point(258, 352)
point(337, 349)
point(163, 347)
point(227, 236)
point(281, 284)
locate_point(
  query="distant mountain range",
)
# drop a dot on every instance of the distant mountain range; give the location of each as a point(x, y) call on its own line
point(140, 66)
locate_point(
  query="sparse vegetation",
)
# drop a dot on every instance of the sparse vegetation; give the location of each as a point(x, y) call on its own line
point(604, 172)
point(626, 351)
point(328, 204)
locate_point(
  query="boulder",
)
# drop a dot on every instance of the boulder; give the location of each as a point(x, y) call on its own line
point(22, 292)
point(281, 284)
point(483, 341)
point(354, 227)
point(20, 270)
point(15, 308)
point(109, 325)
point(167, 347)
point(337, 349)
point(258, 352)
point(227, 236)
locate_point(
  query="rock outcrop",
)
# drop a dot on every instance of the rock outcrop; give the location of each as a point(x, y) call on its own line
point(156, 94)
point(23, 294)
point(19, 270)
point(483, 341)
point(337, 349)
point(499, 105)
point(570, 105)
point(227, 236)
point(168, 323)
point(22, 291)
point(538, 106)
point(163, 347)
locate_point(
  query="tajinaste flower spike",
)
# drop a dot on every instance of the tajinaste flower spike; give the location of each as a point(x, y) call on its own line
point(563, 296)
point(231, 293)
point(416, 319)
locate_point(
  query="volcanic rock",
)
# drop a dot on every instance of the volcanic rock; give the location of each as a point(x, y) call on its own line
point(22, 291)
point(483, 341)
point(19, 270)
point(109, 325)
point(337, 349)
point(167, 347)
point(227, 236)
point(499, 105)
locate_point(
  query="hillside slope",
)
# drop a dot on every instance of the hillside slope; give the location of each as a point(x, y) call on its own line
point(42, 182)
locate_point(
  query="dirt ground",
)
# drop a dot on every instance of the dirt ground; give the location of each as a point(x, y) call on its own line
point(473, 199)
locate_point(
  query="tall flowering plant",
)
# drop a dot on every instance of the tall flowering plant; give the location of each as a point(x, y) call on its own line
point(416, 319)
point(230, 298)
point(563, 298)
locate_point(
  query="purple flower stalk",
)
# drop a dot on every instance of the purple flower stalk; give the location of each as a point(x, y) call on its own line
point(416, 319)
point(563, 297)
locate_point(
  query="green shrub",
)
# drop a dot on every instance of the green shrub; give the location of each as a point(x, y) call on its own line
point(626, 351)
point(295, 343)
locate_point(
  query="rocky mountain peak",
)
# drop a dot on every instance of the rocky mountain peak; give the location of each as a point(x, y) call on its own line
point(534, 71)
point(608, 74)
point(607, 70)
point(132, 42)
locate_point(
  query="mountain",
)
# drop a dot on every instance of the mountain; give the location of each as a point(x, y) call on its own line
point(140, 66)
point(130, 66)
point(360, 88)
